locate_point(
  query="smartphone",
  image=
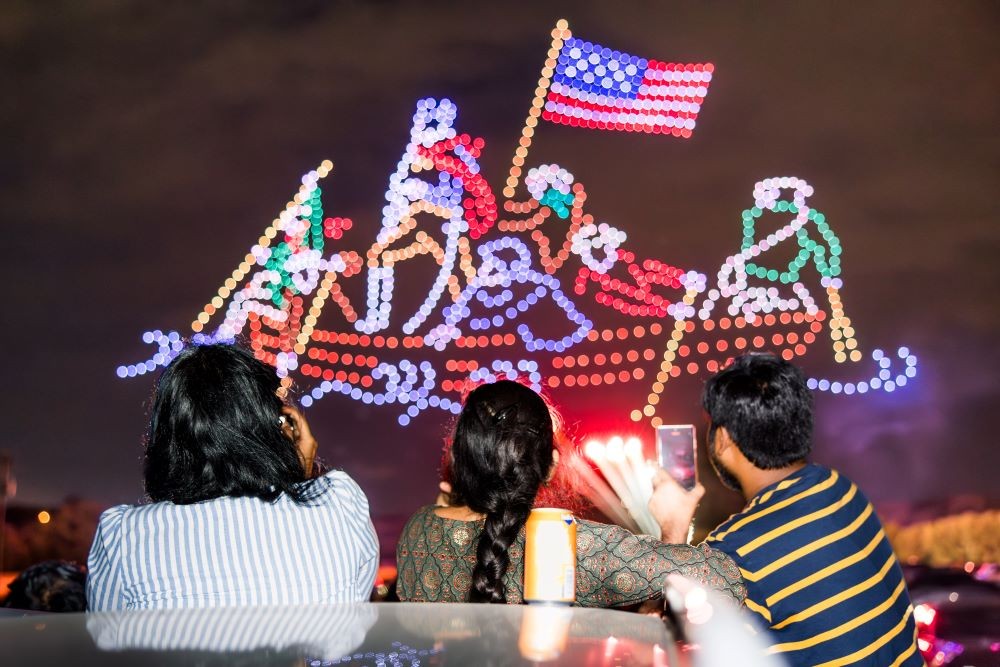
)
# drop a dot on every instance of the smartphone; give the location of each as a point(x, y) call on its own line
point(675, 451)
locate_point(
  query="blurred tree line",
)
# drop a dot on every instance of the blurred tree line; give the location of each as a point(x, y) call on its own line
point(67, 535)
point(951, 541)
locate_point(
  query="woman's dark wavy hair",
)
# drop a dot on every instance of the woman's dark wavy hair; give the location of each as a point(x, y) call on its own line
point(765, 405)
point(214, 431)
point(501, 455)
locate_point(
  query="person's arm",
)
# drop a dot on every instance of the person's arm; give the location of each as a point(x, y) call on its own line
point(104, 577)
point(368, 569)
point(758, 607)
point(361, 533)
point(673, 507)
point(616, 568)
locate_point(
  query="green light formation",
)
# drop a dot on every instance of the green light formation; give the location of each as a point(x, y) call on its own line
point(558, 202)
point(825, 253)
point(312, 238)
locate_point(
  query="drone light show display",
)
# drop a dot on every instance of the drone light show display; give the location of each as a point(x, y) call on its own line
point(533, 287)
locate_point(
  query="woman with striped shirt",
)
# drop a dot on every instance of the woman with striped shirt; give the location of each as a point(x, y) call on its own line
point(235, 518)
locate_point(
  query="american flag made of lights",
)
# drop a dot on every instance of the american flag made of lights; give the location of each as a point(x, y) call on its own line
point(599, 88)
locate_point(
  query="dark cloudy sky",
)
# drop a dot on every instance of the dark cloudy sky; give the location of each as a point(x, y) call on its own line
point(146, 146)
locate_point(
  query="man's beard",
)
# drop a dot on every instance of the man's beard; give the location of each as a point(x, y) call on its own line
point(727, 478)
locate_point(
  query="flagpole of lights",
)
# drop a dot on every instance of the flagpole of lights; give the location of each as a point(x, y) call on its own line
point(249, 261)
point(559, 34)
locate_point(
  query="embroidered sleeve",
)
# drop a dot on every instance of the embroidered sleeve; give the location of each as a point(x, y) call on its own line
point(616, 568)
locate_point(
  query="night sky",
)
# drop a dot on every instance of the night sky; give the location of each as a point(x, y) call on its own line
point(147, 145)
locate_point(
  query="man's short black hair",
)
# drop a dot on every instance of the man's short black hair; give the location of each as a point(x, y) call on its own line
point(765, 405)
point(52, 585)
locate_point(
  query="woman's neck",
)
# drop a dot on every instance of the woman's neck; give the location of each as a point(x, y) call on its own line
point(458, 513)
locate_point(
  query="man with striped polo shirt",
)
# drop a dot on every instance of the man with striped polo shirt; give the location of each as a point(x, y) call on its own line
point(819, 570)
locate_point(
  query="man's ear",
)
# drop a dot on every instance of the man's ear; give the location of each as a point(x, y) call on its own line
point(723, 441)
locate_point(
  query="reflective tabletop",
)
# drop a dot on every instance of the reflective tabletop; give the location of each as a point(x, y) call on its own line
point(380, 635)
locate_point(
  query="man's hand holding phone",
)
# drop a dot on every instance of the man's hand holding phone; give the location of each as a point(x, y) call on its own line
point(673, 507)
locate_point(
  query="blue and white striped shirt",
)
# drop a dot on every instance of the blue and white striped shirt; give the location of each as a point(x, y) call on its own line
point(236, 552)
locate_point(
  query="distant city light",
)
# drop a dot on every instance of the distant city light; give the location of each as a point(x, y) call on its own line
point(44, 517)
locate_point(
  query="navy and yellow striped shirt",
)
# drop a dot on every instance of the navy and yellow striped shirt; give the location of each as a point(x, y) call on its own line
point(821, 573)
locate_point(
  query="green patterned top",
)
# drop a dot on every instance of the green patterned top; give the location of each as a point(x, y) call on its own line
point(614, 568)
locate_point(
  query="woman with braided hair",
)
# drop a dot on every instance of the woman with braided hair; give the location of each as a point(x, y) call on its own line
point(502, 454)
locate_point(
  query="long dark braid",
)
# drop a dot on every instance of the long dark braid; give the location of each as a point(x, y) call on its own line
point(502, 453)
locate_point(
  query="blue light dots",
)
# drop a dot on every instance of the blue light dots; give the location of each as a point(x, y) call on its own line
point(886, 379)
point(399, 655)
point(406, 382)
point(168, 345)
point(497, 272)
point(524, 369)
point(409, 195)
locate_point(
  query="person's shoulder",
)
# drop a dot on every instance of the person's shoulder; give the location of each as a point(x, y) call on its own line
point(588, 526)
point(730, 525)
point(735, 531)
point(805, 482)
point(112, 519)
point(821, 474)
point(608, 533)
point(840, 489)
point(817, 472)
point(821, 484)
point(338, 477)
point(339, 483)
point(113, 516)
point(423, 515)
point(427, 511)
point(802, 491)
point(416, 527)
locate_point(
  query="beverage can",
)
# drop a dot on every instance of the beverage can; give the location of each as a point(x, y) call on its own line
point(550, 557)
